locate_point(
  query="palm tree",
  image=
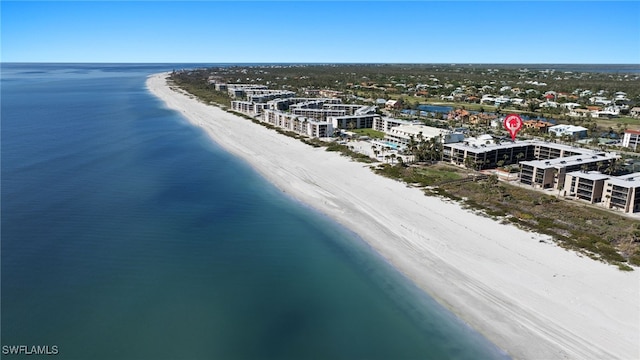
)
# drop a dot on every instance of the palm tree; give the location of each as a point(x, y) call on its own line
point(614, 167)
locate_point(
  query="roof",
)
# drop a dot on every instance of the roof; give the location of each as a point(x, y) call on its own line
point(567, 128)
point(563, 162)
point(636, 132)
point(427, 131)
point(591, 175)
point(628, 181)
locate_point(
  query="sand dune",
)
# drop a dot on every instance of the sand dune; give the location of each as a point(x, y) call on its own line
point(531, 298)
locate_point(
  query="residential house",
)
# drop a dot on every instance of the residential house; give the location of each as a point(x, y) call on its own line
point(576, 132)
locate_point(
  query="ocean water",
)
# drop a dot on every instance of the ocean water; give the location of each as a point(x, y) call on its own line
point(127, 234)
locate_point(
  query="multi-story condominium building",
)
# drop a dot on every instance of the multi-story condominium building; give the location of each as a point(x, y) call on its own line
point(623, 193)
point(353, 121)
point(585, 185)
point(487, 156)
point(350, 109)
point(297, 124)
point(262, 96)
point(238, 90)
point(313, 103)
point(285, 103)
point(248, 107)
point(401, 136)
point(385, 124)
point(546, 174)
point(319, 129)
point(631, 139)
point(318, 114)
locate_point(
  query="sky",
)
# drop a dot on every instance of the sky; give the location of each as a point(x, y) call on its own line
point(552, 32)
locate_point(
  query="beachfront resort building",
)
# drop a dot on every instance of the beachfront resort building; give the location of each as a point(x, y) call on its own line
point(585, 185)
point(402, 135)
point(384, 124)
point(364, 121)
point(619, 192)
point(483, 153)
point(551, 173)
point(623, 193)
point(298, 124)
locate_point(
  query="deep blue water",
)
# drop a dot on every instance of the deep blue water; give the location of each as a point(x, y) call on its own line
point(127, 234)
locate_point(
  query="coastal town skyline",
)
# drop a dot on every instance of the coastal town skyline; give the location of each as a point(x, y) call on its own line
point(331, 32)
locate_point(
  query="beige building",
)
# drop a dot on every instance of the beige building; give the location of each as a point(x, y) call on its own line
point(585, 185)
point(623, 193)
point(401, 135)
point(548, 174)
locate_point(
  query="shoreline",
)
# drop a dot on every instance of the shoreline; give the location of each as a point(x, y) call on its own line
point(532, 299)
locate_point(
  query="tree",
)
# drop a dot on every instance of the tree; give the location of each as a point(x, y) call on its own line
point(469, 162)
point(614, 166)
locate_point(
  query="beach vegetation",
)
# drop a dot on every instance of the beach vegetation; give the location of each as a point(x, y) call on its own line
point(599, 234)
point(594, 232)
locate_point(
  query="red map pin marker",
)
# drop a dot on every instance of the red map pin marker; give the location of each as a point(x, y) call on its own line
point(513, 124)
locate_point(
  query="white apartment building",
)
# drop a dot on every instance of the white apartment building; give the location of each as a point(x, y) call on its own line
point(631, 139)
point(401, 135)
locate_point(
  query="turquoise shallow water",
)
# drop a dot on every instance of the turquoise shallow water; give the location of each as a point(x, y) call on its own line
point(128, 234)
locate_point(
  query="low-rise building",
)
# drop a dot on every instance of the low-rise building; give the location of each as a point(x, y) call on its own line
point(402, 135)
point(585, 185)
point(551, 173)
point(385, 124)
point(298, 124)
point(484, 153)
point(631, 139)
point(623, 193)
point(353, 121)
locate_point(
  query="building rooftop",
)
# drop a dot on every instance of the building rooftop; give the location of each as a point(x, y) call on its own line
point(591, 175)
point(519, 143)
point(567, 128)
point(628, 181)
point(414, 129)
point(562, 162)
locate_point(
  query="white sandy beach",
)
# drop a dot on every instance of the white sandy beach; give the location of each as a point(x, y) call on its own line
point(533, 299)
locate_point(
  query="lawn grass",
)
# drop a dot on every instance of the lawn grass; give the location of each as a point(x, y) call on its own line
point(374, 134)
point(632, 123)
